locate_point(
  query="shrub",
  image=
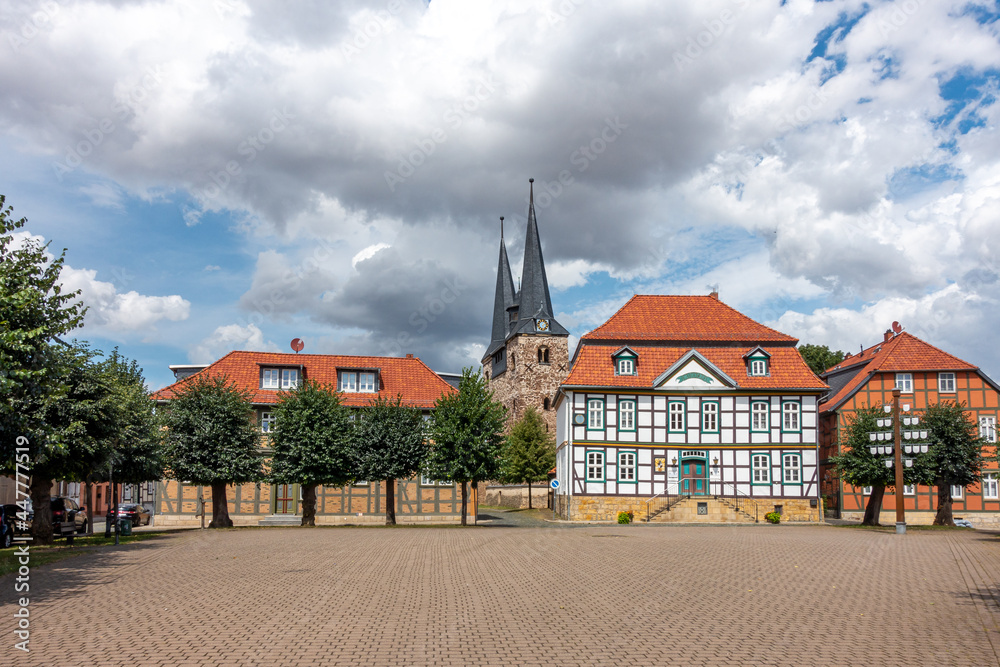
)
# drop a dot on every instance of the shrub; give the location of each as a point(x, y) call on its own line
point(773, 517)
point(625, 517)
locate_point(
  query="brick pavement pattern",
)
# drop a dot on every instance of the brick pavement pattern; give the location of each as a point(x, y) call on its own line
point(579, 595)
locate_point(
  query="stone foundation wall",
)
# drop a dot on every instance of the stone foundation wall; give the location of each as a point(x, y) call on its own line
point(171, 520)
point(990, 520)
point(562, 507)
point(606, 508)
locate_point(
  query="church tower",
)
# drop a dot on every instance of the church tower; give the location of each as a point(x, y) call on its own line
point(528, 355)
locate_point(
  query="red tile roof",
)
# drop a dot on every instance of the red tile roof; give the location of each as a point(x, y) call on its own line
point(901, 353)
point(408, 377)
point(683, 318)
point(594, 368)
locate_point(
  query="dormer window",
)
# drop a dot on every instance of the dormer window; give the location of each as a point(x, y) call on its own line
point(758, 362)
point(357, 382)
point(279, 378)
point(625, 361)
point(626, 366)
point(758, 367)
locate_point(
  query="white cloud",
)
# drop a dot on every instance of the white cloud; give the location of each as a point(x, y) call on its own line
point(116, 314)
point(230, 337)
point(368, 253)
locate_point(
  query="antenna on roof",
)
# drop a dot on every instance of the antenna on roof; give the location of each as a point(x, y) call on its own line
point(297, 345)
point(897, 328)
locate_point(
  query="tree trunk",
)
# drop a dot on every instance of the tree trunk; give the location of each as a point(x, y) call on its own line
point(88, 492)
point(41, 525)
point(390, 502)
point(944, 516)
point(529, 494)
point(220, 507)
point(874, 507)
point(465, 497)
point(309, 505)
point(475, 492)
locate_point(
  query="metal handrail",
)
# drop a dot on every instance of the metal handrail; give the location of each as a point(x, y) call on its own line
point(667, 493)
point(740, 501)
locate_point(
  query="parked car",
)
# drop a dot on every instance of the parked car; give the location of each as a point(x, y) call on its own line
point(68, 517)
point(8, 519)
point(13, 514)
point(138, 514)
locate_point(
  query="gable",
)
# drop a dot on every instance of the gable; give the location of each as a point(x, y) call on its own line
point(692, 372)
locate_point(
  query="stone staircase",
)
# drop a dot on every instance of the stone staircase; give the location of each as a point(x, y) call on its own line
point(719, 510)
point(281, 520)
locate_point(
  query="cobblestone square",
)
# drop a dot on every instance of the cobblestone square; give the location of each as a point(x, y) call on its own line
point(563, 595)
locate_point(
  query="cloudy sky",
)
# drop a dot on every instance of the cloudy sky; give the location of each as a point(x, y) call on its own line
point(231, 174)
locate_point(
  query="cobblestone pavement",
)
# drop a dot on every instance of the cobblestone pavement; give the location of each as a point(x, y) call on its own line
point(582, 595)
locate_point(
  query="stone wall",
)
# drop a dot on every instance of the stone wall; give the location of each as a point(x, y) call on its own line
point(606, 508)
point(989, 520)
point(516, 496)
point(526, 382)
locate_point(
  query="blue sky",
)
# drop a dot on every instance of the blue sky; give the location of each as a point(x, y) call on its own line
point(231, 176)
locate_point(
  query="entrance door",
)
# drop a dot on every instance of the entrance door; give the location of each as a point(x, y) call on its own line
point(284, 499)
point(693, 477)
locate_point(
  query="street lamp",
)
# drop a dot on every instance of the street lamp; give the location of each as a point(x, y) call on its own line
point(893, 444)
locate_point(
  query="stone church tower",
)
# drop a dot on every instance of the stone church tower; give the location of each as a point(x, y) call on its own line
point(528, 355)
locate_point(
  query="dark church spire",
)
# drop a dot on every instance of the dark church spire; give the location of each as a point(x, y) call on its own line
point(503, 299)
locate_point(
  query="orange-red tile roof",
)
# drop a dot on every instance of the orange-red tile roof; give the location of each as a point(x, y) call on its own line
point(409, 377)
point(787, 370)
point(901, 353)
point(683, 318)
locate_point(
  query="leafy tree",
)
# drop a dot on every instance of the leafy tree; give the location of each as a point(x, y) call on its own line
point(466, 432)
point(857, 466)
point(389, 444)
point(34, 311)
point(530, 452)
point(212, 440)
point(311, 442)
point(956, 453)
point(820, 357)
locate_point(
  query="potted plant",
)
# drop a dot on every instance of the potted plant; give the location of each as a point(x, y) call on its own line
point(625, 517)
point(773, 517)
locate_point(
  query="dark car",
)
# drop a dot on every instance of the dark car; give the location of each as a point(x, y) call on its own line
point(68, 517)
point(138, 514)
point(8, 524)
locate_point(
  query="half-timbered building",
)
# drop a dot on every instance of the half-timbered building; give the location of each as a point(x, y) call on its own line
point(925, 375)
point(681, 408)
point(359, 380)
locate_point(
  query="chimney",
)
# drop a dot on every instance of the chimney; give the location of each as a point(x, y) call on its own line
point(409, 355)
point(888, 335)
point(714, 294)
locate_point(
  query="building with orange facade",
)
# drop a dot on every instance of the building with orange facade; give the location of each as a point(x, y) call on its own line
point(925, 375)
point(358, 380)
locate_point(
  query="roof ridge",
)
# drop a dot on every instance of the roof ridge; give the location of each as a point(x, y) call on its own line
point(620, 309)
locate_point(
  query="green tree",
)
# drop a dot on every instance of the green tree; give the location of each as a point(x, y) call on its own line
point(956, 453)
point(820, 357)
point(389, 444)
point(857, 466)
point(212, 440)
point(529, 453)
point(311, 442)
point(34, 311)
point(466, 432)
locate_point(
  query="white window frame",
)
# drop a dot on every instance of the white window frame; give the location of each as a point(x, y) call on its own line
point(909, 489)
point(289, 378)
point(627, 467)
point(348, 381)
point(791, 419)
point(626, 415)
point(904, 383)
point(786, 468)
point(366, 382)
point(758, 367)
point(710, 416)
point(866, 490)
point(270, 378)
point(756, 411)
point(946, 383)
point(595, 414)
point(988, 428)
point(760, 473)
point(957, 492)
point(991, 486)
point(676, 409)
point(595, 465)
point(266, 422)
point(626, 366)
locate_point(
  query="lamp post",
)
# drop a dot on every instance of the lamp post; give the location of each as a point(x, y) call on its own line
point(915, 443)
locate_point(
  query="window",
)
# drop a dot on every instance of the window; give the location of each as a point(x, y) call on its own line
point(791, 469)
point(626, 415)
point(709, 416)
point(626, 467)
point(946, 383)
point(988, 428)
point(545, 403)
point(990, 486)
point(543, 355)
point(904, 382)
point(366, 382)
point(595, 466)
point(270, 378)
point(758, 416)
point(595, 414)
point(498, 356)
point(626, 367)
point(676, 410)
point(266, 422)
point(348, 381)
point(425, 480)
point(760, 465)
point(867, 490)
point(758, 367)
point(790, 416)
point(909, 490)
point(289, 378)
point(957, 492)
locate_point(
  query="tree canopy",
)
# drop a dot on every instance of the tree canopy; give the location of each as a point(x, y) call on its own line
point(529, 453)
point(466, 433)
point(820, 357)
point(311, 442)
point(956, 453)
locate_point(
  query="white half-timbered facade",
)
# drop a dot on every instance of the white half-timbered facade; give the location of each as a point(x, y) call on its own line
point(700, 401)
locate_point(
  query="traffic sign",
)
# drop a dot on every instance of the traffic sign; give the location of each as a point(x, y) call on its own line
point(554, 484)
